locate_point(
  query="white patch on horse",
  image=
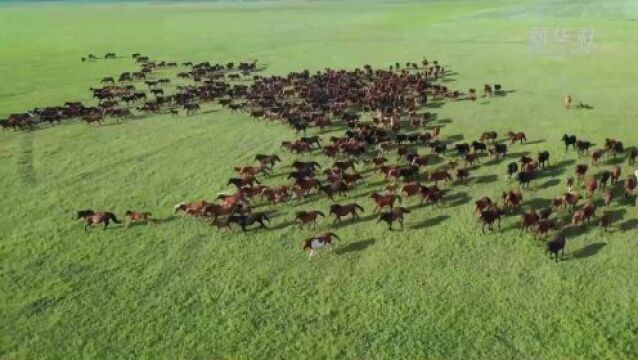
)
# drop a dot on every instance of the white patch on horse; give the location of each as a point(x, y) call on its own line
point(317, 243)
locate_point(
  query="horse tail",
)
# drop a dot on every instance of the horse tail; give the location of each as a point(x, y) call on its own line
point(112, 217)
point(148, 214)
point(399, 198)
point(320, 213)
point(359, 207)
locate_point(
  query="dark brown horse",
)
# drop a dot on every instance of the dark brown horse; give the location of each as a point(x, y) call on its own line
point(490, 216)
point(308, 217)
point(389, 217)
point(340, 211)
point(99, 218)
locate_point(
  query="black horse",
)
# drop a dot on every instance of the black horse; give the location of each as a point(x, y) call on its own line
point(569, 140)
point(247, 220)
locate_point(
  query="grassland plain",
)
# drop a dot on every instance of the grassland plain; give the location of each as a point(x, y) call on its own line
point(438, 289)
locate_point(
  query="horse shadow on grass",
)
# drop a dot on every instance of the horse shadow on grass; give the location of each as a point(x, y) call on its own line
point(538, 203)
point(549, 183)
point(484, 179)
point(455, 138)
point(355, 246)
point(164, 220)
point(576, 230)
point(350, 221)
point(431, 222)
point(282, 225)
point(587, 251)
point(458, 199)
point(504, 93)
point(615, 160)
point(628, 225)
point(540, 141)
point(435, 105)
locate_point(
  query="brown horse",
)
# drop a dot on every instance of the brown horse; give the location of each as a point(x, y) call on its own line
point(608, 196)
point(99, 218)
point(512, 199)
point(393, 215)
point(192, 208)
point(137, 216)
point(337, 187)
point(344, 210)
point(432, 195)
point(437, 176)
point(216, 211)
point(489, 217)
point(488, 136)
point(318, 242)
point(231, 199)
point(308, 217)
point(411, 189)
point(514, 137)
point(630, 185)
point(93, 118)
point(528, 220)
point(382, 201)
point(482, 204)
point(591, 185)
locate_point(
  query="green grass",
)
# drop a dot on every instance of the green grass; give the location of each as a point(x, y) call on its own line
point(438, 289)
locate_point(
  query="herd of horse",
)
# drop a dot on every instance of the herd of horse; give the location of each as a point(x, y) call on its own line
point(396, 100)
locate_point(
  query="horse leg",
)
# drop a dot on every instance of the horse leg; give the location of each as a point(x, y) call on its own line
point(106, 224)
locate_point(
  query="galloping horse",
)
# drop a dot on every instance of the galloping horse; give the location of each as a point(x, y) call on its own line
point(94, 218)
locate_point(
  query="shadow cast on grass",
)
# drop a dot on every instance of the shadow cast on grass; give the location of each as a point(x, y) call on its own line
point(282, 225)
point(587, 251)
point(628, 225)
point(431, 222)
point(485, 179)
point(457, 199)
point(355, 246)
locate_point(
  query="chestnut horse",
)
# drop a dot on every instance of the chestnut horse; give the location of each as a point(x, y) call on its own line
point(514, 137)
point(137, 216)
point(382, 201)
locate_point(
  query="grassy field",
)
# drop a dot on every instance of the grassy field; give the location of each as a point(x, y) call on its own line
point(438, 289)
